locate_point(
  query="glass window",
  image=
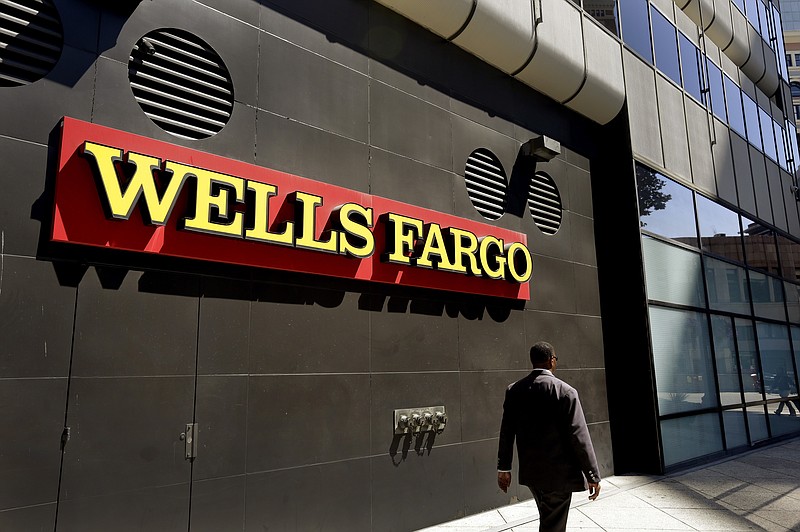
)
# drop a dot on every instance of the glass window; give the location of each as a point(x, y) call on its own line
point(673, 274)
point(789, 253)
point(690, 67)
point(719, 229)
point(665, 45)
point(779, 144)
point(767, 134)
point(781, 50)
point(636, 27)
point(795, 88)
point(735, 429)
point(783, 418)
point(730, 388)
point(776, 360)
point(690, 437)
point(757, 420)
point(748, 360)
point(733, 101)
point(739, 4)
point(792, 293)
point(727, 286)
point(762, 15)
point(797, 59)
point(789, 59)
point(717, 93)
point(665, 207)
point(751, 12)
point(759, 246)
point(767, 294)
point(604, 12)
point(751, 120)
point(791, 131)
point(682, 358)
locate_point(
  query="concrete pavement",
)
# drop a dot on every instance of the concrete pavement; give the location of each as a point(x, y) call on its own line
point(758, 490)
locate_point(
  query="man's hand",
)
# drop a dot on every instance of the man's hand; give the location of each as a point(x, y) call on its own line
point(504, 480)
point(594, 490)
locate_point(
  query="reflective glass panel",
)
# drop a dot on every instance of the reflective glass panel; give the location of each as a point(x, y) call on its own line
point(730, 388)
point(727, 286)
point(735, 429)
point(776, 360)
point(673, 273)
point(717, 93)
point(759, 247)
point(733, 101)
point(762, 15)
point(751, 11)
point(781, 51)
point(751, 120)
point(780, 145)
point(665, 207)
point(784, 417)
point(682, 357)
point(757, 420)
point(604, 12)
point(792, 293)
point(665, 45)
point(739, 4)
point(767, 134)
point(691, 437)
point(719, 229)
point(748, 360)
point(636, 27)
point(789, 253)
point(690, 67)
point(767, 295)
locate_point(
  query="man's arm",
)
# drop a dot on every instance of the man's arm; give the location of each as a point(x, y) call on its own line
point(582, 445)
point(505, 450)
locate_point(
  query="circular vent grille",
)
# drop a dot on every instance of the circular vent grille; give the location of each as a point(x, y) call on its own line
point(486, 183)
point(181, 83)
point(544, 202)
point(30, 40)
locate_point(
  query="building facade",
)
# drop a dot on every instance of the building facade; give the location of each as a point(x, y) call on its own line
point(241, 239)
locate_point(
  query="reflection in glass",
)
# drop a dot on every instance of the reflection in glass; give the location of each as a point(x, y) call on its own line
point(665, 45)
point(781, 51)
point(751, 12)
point(665, 207)
point(792, 293)
point(751, 120)
point(789, 253)
point(759, 247)
point(762, 15)
point(735, 429)
point(719, 229)
point(767, 134)
point(682, 358)
point(690, 437)
point(730, 388)
point(739, 4)
point(783, 421)
point(727, 286)
point(748, 360)
point(757, 420)
point(717, 93)
point(733, 100)
point(767, 295)
point(673, 274)
point(636, 27)
point(690, 67)
point(780, 144)
point(605, 12)
point(776, 361)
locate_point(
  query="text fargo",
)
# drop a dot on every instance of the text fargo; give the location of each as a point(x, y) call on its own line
point(234, 207)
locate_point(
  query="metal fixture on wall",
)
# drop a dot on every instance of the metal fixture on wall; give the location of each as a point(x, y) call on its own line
point(31, 39)
point(543, 148)
point(181, 83)
point(420, 419)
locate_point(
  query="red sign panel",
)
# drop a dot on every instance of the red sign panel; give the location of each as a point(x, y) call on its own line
point(122, 191)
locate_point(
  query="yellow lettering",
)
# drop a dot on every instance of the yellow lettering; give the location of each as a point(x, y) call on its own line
point(435, 246)
point(206, 200)
point(465, 244)
point(308, 204)
point(401, 237)
point(515, 261)
point(260, 230)
point(119, 205)
point(357, 229)
point(486, 256)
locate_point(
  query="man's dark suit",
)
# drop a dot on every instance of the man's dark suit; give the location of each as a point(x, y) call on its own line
point(556, 456)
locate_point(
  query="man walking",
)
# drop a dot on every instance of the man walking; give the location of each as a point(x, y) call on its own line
point(556, 456)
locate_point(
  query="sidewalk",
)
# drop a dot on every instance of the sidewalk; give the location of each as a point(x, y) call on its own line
point(759, 490)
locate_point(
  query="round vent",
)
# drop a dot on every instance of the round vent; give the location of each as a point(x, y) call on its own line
point(30, 40)
point(181, 83)
point(544, 202)
point(486, 183)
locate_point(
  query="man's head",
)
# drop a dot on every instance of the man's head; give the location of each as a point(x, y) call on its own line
point(543, 356)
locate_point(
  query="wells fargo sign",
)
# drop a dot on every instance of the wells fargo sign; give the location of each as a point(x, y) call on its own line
point(122, 191)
